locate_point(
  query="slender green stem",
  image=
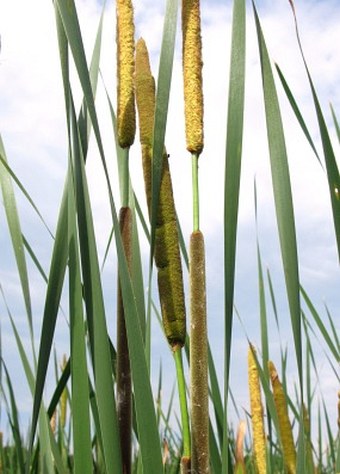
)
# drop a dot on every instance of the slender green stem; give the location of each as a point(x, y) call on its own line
point(125, 180)
point(195, 193)
point(182, 401)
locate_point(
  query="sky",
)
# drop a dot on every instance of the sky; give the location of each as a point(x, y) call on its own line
point(32, 126)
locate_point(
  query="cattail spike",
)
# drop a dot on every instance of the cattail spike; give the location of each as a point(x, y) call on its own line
point(259, 437)
point(192, 75)
point(124, 387)
point(198, 357)
point(286, 433)
point(167, 252)
point(145, 94)
point(126, 116)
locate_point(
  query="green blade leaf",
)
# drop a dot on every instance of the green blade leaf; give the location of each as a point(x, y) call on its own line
point(232, 186)
point(282, 194)
point(329, 155)
point(80, 385)
point(15, 232)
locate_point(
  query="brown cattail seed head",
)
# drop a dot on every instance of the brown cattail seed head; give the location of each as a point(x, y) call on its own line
point(126, 117)
point(198, 357)
point(192, 75)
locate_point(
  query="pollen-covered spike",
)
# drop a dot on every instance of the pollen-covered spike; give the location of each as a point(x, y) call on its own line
point(167, 252)
point(126, 116)
point(286, 433)
point(145, 94)
point(192, 75)
point(259, 438)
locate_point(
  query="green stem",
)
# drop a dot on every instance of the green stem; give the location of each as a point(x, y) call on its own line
point(195, 193)
point(177, 350)
point(125, 178)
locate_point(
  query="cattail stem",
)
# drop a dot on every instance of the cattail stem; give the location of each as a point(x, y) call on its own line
point(125, 178)
point(177, 351)
point(195, 192)
point(198, 357)
point(124, 397)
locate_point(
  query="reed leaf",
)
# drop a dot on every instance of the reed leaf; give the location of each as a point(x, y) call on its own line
point(79, 374)
point(16, 235)
point(232, 185)
point(282, 195)
point(328, 151)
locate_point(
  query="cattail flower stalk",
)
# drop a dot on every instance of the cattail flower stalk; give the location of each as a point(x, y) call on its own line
point(126, 128)
point(259, 437)
point(124, 398)
point(167, 252)
point(193, 107)
point(286, 434)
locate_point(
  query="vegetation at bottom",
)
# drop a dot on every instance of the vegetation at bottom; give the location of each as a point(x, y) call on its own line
point(104, 414)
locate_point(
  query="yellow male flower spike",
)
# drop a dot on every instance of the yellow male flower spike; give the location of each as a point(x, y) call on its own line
point(286, 433)
point(167, 252)
point(126, 116)
point(259, 437)
point(192, 75)
point(145, 94)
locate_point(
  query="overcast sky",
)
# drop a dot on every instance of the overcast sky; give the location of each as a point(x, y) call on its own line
point(32, 125)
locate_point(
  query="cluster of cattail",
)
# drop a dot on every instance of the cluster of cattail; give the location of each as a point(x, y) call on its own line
point(137, 78)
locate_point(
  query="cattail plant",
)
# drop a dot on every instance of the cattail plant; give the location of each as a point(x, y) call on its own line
point(167, 252)
point(256, 408)
point(193, 103)
point(126, 128)
point(286, 434)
